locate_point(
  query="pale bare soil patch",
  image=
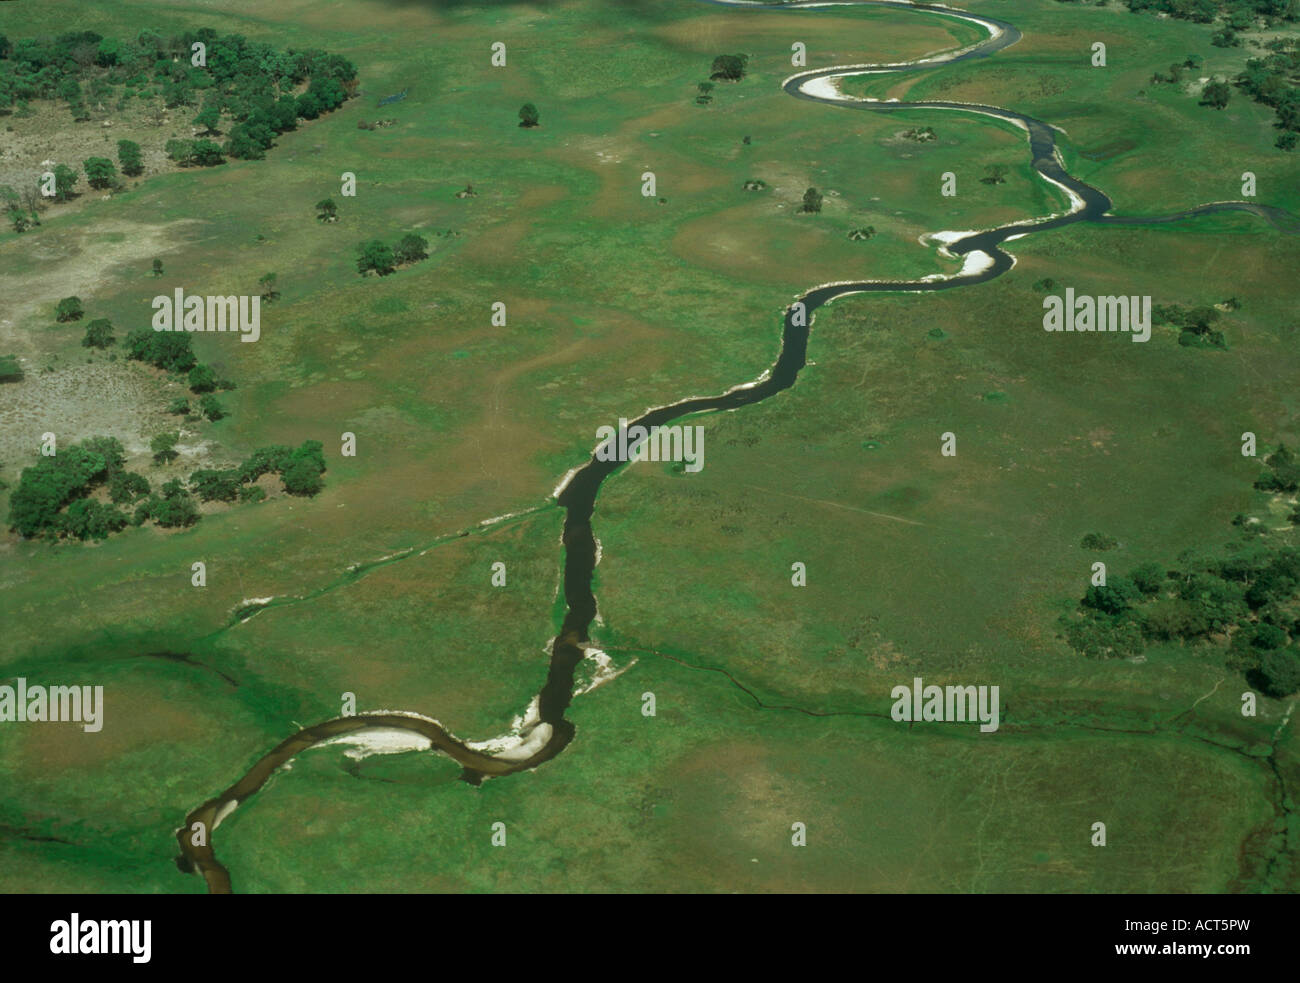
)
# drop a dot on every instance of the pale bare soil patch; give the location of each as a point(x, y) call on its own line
point(118, 399)
point(71, 262)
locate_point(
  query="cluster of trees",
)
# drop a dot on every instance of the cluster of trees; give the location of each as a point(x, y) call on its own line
point(1271, 81)
point(251, 83)
point(169, 350)
point(812, 201)
point(1281, 474)
point(53, 497)
point(1239, 14)
point(1247, 603)
point(173, 352)
point(1196, 324)
point(382, 259)
point(195, 153)
point(99, 332)
point(300, 469)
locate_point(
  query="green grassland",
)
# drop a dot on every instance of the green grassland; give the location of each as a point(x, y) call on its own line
point(951, 568)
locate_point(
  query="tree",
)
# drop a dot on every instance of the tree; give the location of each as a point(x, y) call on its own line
point(528, 115)
point(127, 486)
point(19, 219)
point(180, 406)
point(266, 283)
point(1216, 94)
point(411, 249)
point(729, 67)
point(99, 334)
point(68, 309)
point(10, 370)
point(65, 179)
point(1279, 672)
point(375, 255)
point(209, 118)
point(302, 469)
point(211, 407)
point(202, 379)
point(812, 200)
point(164, 447)
point(100, 172)
point(326, 210)
point(1225, 37)
point(128, 155)
point(157, 267)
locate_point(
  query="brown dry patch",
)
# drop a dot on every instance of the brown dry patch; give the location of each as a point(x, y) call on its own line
point(136, 717)
point(500, 243)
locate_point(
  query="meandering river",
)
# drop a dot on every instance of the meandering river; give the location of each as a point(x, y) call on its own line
point(545, 731)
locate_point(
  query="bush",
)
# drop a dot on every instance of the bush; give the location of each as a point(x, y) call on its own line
point(1097, 541)
point(164, 447)
point(411, 249)
point(100, 172)
point(202, 379)
point(1114, 598)
point(1149, 578)
point(128, 155)
point(301, 477)
point(99, 334)
point(211, 407)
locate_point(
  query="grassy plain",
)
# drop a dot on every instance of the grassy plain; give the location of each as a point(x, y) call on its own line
point(954, 569)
